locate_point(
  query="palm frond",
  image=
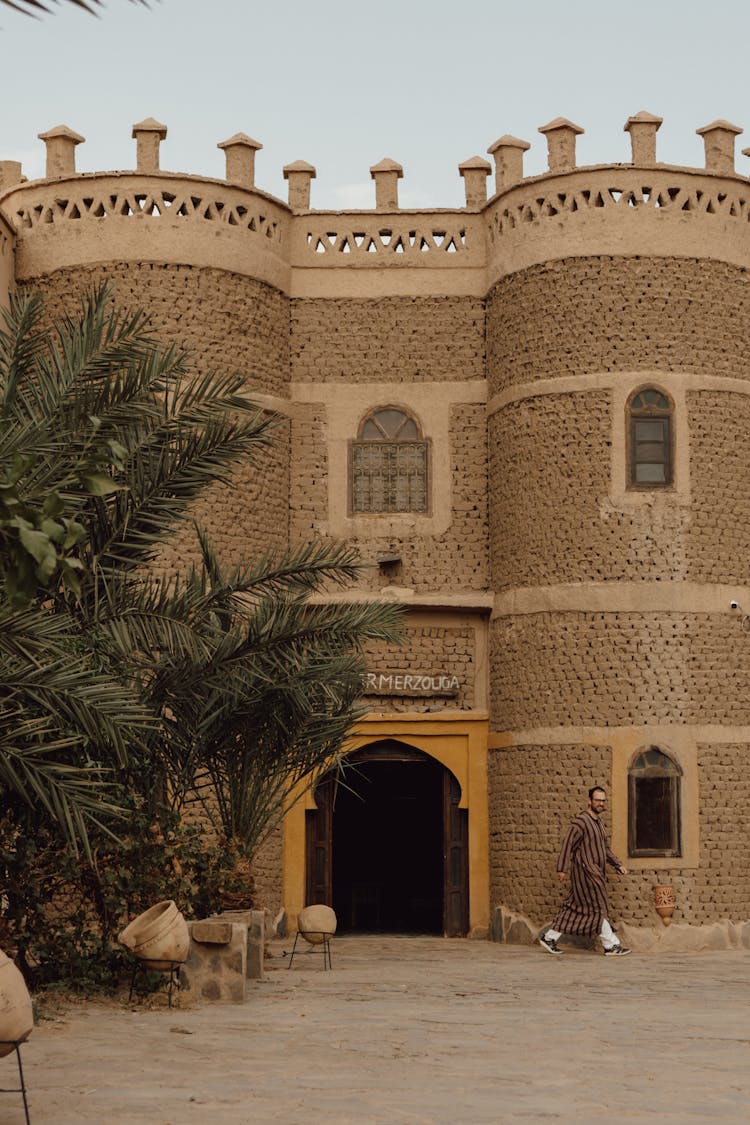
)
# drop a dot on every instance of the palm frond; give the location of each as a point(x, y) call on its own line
point(34, 772)
point(306, 569)
point(34, 7)
point(21, 344)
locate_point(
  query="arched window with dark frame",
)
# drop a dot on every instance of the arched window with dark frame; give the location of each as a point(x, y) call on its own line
point(650, 439)
point(389, 464)
point(654, 781)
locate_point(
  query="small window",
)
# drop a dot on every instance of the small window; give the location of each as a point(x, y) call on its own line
point(654, 805)
point(650, 452)
point(388, 464)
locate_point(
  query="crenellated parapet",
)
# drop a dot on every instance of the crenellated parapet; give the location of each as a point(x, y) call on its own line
point(157, 217)
point(634, 208)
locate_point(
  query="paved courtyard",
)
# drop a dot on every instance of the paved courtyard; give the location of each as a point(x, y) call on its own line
point(410, 1030)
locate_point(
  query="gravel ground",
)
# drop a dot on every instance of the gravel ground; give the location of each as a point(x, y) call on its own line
point(409, 1030)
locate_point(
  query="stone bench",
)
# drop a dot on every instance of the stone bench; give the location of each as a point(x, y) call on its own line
point(226, 950)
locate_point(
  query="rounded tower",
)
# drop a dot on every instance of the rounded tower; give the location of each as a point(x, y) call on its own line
point(205, 258)
point(618, 352)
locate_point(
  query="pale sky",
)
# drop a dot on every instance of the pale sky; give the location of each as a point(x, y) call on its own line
point(342, 83)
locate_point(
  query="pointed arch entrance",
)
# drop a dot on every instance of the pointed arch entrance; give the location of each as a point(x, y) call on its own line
point(387, 844)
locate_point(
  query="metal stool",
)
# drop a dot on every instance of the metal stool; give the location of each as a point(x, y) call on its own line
point(324, 947)
point(16, 1044)
point(173, 968)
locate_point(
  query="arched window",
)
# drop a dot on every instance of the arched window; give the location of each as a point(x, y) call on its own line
point(388, 464)
point(650, 439)
point(654, 805)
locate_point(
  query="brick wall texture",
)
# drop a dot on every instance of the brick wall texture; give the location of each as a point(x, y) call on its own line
point(592, 669)
point(390, 340)
point(243, 518)
point(267, 872)
point(428, 650)
point(531, 504)
point(574, 316)
point(534, 791)
point(225, 322)
point(456, 559)
point(718, 540)
point(308, 506)
point(552, 516)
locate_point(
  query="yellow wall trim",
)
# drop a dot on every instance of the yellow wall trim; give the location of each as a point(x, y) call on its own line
point(458, 740)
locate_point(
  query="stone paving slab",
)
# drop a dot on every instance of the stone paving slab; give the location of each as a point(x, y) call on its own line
point(414, 1031)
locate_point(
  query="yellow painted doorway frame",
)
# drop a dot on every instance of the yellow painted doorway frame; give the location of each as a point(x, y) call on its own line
point(458, 740)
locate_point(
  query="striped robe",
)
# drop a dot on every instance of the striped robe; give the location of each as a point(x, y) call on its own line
point(584, 855)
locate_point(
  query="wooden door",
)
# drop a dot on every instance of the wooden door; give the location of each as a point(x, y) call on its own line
point(319, 849)
point(319, 846)
point(455, 860)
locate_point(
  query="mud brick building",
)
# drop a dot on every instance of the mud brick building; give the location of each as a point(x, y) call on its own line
point(531, 416)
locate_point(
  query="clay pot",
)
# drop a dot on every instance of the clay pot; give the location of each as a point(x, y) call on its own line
point(315, 923)
point(16, 1016)
point(158, 936)
point(664, 901)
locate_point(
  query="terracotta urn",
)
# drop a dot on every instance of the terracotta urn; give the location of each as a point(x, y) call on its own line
point(16, 1016)
point(664, 901)
point(315, 923)
point(158, 936)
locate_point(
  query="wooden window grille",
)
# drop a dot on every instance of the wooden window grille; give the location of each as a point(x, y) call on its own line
point(650, 453)
point(389, 464)
point(654, 805)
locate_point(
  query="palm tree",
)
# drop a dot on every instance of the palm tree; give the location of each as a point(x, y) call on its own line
point(234, 677)
point(106, 437)
point(274, 692)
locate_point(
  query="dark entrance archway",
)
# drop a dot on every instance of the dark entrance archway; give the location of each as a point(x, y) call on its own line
point(387, 844)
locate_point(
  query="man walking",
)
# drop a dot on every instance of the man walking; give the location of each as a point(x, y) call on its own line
point(585, 854)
